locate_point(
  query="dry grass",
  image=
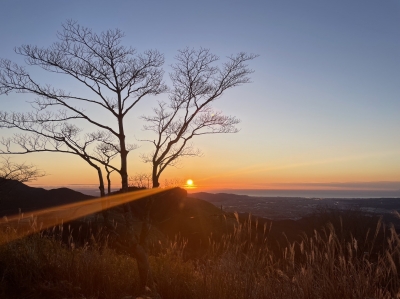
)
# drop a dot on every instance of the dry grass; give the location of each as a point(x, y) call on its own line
point(240, 265)
point(39, 267)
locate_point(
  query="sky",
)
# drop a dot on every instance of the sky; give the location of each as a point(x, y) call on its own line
point(322, 110)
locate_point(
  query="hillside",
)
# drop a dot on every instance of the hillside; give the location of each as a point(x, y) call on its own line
point(173, 214)
point(15, 195)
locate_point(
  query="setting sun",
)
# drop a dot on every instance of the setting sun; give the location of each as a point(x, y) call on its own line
point(189, 182)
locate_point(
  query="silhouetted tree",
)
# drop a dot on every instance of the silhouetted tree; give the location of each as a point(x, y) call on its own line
point(106, 151)
point(197, 83)
point(20, 172)
point(116, 76)
point(141, 180)
point(61, 137)
point(12, 171)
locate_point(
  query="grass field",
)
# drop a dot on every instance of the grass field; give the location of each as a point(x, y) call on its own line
point(324, 264)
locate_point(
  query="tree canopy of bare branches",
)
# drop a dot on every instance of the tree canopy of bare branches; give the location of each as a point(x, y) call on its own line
point(116, 76)
point(11, 171)
point(95, 148)
point(197, 82)
point(20, 172)
point(141, 180)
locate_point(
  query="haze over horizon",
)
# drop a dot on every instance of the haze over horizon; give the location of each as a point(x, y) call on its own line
point(332, 190)
point(321, 113)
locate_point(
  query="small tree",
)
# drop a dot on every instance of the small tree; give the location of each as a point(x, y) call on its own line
point(62, 137)
point(197, 83)
point(105, 152)
point(21, 172)
point(57, 137)
point(141, 180)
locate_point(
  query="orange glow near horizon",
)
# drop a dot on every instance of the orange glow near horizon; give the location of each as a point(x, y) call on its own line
point(275, 172)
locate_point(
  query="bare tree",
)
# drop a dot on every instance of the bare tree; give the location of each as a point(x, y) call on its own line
point(141, 180)
point(115, 75)
point(62, 137)
point(105, 152)
point(57, 137)
point(197, 83)
point(10, 172)
point(20, 172)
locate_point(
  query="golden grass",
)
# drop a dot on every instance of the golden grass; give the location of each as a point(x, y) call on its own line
point(240, 265)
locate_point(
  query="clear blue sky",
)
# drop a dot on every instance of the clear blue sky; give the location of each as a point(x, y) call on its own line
point(324, 105)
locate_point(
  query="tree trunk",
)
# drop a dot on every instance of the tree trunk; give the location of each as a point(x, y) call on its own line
point(104, 203)
point(155, 177)
point(123, 154)
point(101, 181)
point(108, 183)
point(124, 168)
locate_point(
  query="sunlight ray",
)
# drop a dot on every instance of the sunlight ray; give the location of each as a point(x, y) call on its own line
point(33, 222)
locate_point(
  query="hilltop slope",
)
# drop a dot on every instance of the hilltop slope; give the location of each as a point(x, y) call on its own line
point(15, 195)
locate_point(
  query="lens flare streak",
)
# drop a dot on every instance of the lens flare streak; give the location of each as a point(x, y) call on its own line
point(32, 222)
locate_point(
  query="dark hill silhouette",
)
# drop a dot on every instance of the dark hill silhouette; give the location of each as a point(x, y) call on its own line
point(15, 195)
point(193, 219)
point(174, 213)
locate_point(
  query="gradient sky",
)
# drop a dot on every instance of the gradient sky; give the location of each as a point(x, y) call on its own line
point(323, 107)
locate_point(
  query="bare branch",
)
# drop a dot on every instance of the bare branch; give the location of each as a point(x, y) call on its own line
point(197, 82)
point(141, 180)
point(20, 172)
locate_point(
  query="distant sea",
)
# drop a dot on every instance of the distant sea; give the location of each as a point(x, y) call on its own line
point(94, 191)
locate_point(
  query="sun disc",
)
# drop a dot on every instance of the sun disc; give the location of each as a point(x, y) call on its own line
point(189, 182)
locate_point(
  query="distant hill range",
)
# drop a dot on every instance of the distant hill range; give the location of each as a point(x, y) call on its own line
point(15, 196)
